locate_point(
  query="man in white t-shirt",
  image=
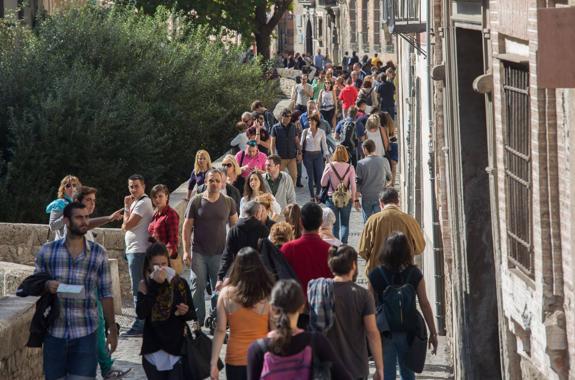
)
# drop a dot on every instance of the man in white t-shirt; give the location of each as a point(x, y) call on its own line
point(138, 213)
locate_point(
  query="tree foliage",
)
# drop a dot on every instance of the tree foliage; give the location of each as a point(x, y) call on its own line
point(257, 18)
point(105, 93)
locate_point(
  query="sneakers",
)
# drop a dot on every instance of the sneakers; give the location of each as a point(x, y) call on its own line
point(132, 333)
point(115, 374)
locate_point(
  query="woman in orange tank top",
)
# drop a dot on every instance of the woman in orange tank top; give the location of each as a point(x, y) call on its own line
point(244, 304)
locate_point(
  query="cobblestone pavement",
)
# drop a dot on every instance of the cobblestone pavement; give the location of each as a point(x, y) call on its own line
point(127, 354)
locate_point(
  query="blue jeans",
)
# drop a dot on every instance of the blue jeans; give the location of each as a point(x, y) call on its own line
point(341, 226)
point(77, 358)
point(314, 164)
point(202, 267)
point(394, 352)
point(136, 266)
point(369, 207)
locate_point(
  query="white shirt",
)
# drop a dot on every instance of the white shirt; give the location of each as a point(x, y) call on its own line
point(137, 237)
point(315, 143)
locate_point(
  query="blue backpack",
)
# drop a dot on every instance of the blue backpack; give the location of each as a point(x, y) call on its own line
point(397, 311)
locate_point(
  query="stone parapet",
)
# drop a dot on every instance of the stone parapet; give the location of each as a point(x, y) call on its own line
point(20, 242)
point(16, 360)
point(11, 275)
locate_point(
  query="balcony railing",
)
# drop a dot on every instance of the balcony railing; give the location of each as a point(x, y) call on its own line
point(403, 16)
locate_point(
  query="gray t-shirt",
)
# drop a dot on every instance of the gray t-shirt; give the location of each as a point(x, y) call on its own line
point(137, 237)
point(371, 175)
point(210, 219)
point(348, 334)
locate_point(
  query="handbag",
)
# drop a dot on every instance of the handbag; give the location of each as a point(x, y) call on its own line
point(197, 352)
point(320, 370)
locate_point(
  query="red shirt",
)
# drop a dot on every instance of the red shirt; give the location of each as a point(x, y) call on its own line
point(348, 96)
point(164, 228)
point(308, 258)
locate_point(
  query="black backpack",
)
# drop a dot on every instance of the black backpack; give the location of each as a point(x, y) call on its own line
point(397, 311)
point(349, 137)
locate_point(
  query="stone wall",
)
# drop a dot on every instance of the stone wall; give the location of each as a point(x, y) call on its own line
point(16, 360)
point(20, 242)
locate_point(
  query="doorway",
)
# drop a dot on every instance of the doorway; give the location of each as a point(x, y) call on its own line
point(309, 38)
point(481, 295)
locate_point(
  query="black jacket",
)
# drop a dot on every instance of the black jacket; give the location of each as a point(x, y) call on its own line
point(245, 233)
point(47, 307)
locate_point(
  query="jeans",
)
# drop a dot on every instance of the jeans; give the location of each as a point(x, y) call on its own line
point(328, 116)
point(236, 372)
point(176, 373)
point(394, 352)
point(341, 226)
point(136, 266)
point(369, 207)
point(70, 358)
point(104, 358)
point(202, 267)
point(314, 165)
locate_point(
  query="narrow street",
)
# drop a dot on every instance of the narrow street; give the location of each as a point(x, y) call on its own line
point(436, 367)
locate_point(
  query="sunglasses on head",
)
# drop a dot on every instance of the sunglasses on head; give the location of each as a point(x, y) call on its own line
point(252, 143)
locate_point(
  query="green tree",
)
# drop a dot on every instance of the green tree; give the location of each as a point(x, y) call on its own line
point(257, 18)
point(105, 93)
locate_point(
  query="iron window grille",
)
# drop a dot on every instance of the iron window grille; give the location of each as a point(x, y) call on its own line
point(517, 164)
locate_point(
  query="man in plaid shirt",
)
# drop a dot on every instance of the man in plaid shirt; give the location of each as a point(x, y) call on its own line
point(70, 348)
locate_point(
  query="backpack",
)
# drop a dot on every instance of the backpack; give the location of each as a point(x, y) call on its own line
point(275, 367)
point(349, 137)
point(366, 97)
point(397, 311)
point(340, 196)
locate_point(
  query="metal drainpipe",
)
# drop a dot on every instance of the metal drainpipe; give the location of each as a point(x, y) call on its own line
point(437, 239)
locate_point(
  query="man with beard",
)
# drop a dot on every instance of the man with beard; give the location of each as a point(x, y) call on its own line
point(70, 349)
point(207, 215)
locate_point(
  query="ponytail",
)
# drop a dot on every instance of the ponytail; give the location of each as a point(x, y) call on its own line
point(287, 298)
point(282, 337)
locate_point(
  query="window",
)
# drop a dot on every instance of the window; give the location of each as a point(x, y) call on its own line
point(517, 163)
point(352, 22)
point(376, 23)
point(364, 25)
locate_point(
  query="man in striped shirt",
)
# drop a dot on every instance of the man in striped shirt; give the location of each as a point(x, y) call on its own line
point(70, 348)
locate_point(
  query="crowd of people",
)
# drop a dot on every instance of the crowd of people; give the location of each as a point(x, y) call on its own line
point(280, 277)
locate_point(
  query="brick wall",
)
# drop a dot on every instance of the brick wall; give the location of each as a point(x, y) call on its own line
point(533, 305)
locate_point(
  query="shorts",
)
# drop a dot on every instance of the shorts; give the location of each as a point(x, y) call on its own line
point(394, 151)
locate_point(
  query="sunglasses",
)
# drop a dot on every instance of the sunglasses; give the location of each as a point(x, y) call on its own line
point(286, 115)
point(69, 185)
point(227, 165)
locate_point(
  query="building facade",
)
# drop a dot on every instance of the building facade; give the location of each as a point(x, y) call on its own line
point(334, 27)
point(494, 148)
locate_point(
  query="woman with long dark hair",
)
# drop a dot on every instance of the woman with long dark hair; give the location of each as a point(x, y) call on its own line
point(165, 303)
point(292, 215)
point(244, 304)
point(287, 341)
point(255, 185)
point(397, 269)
